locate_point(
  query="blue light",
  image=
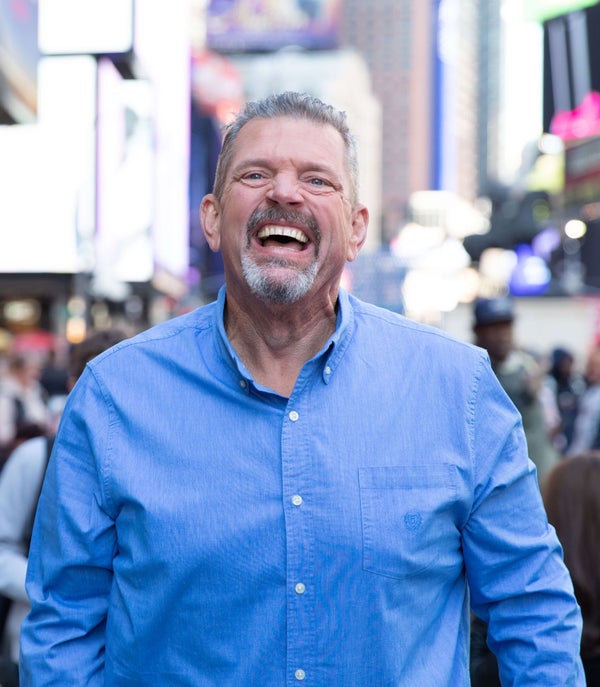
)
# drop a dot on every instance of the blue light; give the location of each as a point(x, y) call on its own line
point(531, 276)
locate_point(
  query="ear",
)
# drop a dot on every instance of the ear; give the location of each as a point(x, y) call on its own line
point(210, 218)
point(360, 223)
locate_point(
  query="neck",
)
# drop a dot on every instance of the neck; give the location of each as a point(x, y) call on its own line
point(274, 341)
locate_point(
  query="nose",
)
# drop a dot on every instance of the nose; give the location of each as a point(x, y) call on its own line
point(285, 190)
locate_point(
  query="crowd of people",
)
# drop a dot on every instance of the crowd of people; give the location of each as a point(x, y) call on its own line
point(557, 395)
point(24, 401)
point(558, 398)
point(33, 391)
point(289, 485)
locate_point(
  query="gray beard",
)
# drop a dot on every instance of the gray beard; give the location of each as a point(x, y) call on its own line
point(273, 290)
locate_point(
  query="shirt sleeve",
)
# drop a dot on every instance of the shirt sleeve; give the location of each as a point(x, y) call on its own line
point(71, 556)
point(518, 581)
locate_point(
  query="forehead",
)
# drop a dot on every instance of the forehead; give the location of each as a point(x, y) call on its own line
point(495, 328)
point(288, 138)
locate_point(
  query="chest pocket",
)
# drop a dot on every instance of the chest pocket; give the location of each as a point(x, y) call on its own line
point(407, 518)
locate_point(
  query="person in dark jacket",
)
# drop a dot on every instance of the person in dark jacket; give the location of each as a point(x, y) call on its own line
point(571, 494)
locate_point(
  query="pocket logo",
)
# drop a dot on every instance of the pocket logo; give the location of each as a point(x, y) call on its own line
point(412, 520)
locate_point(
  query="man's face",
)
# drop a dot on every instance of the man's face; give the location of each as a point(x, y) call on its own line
point(285, 224)
point(496, 338)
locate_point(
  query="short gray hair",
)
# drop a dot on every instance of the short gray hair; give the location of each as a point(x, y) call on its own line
point(297, 106)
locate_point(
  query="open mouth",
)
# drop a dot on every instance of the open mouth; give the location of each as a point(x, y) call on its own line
point(282, 236)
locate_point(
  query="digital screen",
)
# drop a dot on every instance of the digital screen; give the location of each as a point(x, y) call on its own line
point(240, 25)
point(46, 173)
point(68, 27)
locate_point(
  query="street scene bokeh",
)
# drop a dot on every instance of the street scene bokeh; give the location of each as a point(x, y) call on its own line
point(478, 125)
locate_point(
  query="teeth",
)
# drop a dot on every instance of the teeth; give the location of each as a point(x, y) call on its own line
point(290, 232)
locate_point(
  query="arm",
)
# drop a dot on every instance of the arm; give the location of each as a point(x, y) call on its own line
point(72, 548)
point(519, 584)
point(7, 418)
point(20, 481)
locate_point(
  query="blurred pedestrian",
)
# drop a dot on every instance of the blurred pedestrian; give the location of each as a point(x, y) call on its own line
point(483, 663)
point(54, 376)
point(23, 410)
point(586, 427)
point(571, 494)
point(519, 373)
point(289, 485)
point(20, 484)
point(567, 386)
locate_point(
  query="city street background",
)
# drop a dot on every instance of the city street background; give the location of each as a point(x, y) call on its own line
point(477, 125)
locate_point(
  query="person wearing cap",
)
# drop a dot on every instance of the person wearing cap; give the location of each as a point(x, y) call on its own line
point(519, 373)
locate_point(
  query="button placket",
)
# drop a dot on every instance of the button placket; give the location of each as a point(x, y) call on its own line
point(296, 467)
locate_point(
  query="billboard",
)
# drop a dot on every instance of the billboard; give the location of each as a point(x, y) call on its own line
point(571, 65)
point(125, 182)
point(263, 25)
point(72, 27)
point(46, 173)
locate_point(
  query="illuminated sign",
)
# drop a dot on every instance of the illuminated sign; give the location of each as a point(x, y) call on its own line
point(239, 25)
point(18, 61)
point(68, 27)
point(542, 10)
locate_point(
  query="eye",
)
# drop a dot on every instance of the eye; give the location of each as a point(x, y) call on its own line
point(319, 183)
point(253, 179)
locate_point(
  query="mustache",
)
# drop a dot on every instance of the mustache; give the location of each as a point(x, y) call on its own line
point(276, 214)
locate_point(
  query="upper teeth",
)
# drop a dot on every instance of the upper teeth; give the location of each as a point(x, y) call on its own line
point(296, 234)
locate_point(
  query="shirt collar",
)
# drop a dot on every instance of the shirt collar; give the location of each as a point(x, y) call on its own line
point(326, 360)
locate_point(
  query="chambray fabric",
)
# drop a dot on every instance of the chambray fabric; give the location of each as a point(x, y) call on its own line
point(196, 529)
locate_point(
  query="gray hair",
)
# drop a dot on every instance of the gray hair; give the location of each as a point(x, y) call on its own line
point(297, 106)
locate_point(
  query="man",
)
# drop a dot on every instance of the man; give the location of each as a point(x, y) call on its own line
point(289, 486)
point(519, 374)
point(20, 484)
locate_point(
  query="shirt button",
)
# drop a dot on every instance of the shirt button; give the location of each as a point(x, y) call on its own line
point(300, 588)
point(243, 383)
point(327, 370)
point(293, 416)
point(299, 674)
point(297, 500)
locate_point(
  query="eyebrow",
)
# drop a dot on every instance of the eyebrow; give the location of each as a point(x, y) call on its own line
point(253, 162)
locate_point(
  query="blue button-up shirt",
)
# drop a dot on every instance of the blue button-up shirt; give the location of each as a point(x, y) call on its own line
point(197, 529)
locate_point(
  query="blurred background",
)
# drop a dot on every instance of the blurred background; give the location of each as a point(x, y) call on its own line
point(478, 125)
